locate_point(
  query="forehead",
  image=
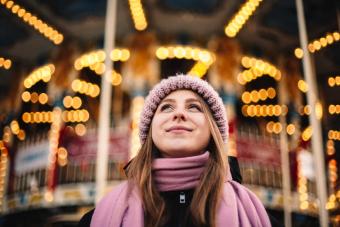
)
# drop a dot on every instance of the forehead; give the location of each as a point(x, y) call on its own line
point(181, 95)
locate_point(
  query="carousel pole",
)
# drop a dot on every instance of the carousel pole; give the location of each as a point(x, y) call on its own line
point(286, 191)
point(312, 98)
point(105, 103)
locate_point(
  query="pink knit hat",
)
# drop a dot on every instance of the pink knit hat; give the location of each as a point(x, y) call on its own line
point(185, 82)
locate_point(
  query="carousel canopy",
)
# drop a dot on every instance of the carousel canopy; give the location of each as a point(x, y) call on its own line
point(271, 30)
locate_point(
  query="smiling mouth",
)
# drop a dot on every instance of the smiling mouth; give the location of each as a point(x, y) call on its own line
point(178, 129)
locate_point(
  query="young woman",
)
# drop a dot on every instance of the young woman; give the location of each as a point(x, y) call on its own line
point(180, 177)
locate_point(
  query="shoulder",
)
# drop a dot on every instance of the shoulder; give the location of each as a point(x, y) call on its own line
point(246, 203)
point(86, 219)
point(104, 209)
point(113, 195)
point(241, 192)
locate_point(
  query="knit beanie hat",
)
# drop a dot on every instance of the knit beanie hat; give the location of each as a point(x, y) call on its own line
point(183, 82)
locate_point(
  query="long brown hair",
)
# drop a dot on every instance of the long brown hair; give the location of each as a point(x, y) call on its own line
point(205, 200)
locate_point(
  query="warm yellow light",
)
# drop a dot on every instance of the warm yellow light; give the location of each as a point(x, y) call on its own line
point(311, 48)
point(21, 12)
point(336, 36)
point(137, 13)
point(304, 205)
point(7, 63)
point(323, 42)
point(76, 102)
point(307, 109)
point(298, 52)
point(125, 55)
point(244, 110)
point(254, 96)
point(270, 126)
point(26, 96)
point(277, 127)
point(67, 101)
point(317, 45)
point(162, 53)
point(251, 111)
point(331, 81)
point(80, 129)
point(245, 61)
point(302, 85)
point(329, 39)
point(62, 153)
point(100, 68)
point(290, 129)
point(34, 97)
point(116, 78)
point(26, 117)
point(49, 196)
point(43, 98)
point(263, 94)
point(9, 4)
point(337, 80)
point(318, 110)
point(246, 98)
point(307, 133)
point(21, 135)
point(271, 93)
point(15, 127)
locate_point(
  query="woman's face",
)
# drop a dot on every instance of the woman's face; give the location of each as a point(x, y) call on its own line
point(179, 126)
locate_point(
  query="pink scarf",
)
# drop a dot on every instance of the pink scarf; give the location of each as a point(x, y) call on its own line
point(123, 207)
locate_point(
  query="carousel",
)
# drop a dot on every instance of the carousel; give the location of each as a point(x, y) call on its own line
point(75, 75)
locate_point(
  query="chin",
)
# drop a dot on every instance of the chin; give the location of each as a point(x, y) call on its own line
point(180, 152)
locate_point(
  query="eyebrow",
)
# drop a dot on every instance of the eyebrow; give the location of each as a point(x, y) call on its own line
point(187, 100)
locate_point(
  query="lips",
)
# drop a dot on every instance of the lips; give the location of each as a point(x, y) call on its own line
point(178, 128)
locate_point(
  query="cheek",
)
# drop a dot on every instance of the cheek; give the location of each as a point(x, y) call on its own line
point(202, 123)
point(156, 125)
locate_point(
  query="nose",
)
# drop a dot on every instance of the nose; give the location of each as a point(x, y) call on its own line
point(179, 115)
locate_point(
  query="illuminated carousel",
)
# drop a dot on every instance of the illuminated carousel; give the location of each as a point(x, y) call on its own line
point(76, 75)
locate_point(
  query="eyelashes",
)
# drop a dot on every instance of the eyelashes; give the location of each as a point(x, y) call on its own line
point(166, 107)
point(195, 106)
point(169, 107)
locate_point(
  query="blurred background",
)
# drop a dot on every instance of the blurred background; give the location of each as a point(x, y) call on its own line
point(52, 59)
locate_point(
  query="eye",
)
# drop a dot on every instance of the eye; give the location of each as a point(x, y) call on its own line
point(195, 107)
point(166, 107)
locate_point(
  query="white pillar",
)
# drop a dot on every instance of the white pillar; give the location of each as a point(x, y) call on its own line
point(105, 103)
point(312, 98)
point(285, 159)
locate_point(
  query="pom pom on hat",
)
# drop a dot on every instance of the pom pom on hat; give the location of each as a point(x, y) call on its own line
point(183, 82)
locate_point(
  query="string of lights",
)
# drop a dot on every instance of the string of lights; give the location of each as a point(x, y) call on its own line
point(5, 63)
point(53, 149)
point(138, 15)
point(74, 102)
point(202, 57)
point(334, 135)
point(240, 18)
point(276, 128)
point(255, 96)
point(3, 172)
point(86, 88)
point(264, 110)
point(43, 73)
point(34, 97)
point(334, 81)
point(318, 44)
point(257, 68)
point(43, 28)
